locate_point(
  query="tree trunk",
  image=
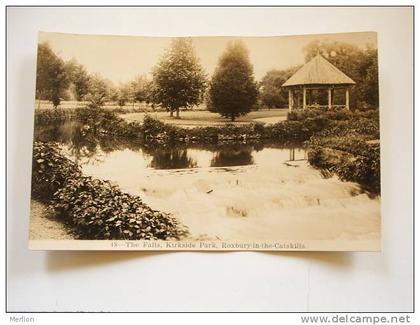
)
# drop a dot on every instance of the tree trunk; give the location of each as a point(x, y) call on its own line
point(177, 113)
point(232, 118)
point(171, 114)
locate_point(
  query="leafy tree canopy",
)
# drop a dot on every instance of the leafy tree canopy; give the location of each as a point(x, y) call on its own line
point(98, 91)
point(52, 80)
point(359, 64)
point(233, 91)
point(79, 79)
point(179, 79)
point(272, 95)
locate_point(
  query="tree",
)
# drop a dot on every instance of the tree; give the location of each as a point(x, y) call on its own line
point(150, 91)
point(179, 78)
point(79, 78)
point(51, 77)
point(233, 91)
point(140, 88)
point(113, 94)
point(124, 94)
point(98, 91)
point(369, 87)
point(272, 95)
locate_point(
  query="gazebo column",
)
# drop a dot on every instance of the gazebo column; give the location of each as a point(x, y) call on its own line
point(304, 97)
point(310, 97)
point(329, 98)
point(347, 99)
point(290, 99)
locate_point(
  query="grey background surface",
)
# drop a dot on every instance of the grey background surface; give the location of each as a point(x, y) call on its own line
point(240, 281)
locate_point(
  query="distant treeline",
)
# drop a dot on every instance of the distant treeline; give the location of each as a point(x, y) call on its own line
point(69, 80)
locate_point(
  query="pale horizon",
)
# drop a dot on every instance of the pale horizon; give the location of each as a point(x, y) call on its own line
point(122, 58)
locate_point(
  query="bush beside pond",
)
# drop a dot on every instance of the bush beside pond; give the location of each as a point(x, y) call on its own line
point(287, 131)
point(363, 168)
point(95, 209)
point(53, 116)
point(350, 148)
point(50, 170)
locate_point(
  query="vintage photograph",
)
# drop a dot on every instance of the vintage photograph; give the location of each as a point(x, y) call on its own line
point(212, 143)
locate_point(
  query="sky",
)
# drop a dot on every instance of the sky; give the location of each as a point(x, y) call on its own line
point(122, 58)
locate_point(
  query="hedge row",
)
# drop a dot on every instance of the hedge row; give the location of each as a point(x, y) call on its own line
point(349, 148)
point(300, 126)
point(286, 131)
point(336, 114)
point(94, 208)
point(53, 116)
point(363, 168)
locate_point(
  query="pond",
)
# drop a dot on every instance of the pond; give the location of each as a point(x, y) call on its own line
point(232, 192)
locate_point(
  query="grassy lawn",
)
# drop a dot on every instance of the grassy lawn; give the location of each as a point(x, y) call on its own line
point(206, 118)
point(188, 119)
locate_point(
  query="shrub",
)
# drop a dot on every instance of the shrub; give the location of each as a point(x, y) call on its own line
point(369, 128)
point(343, 146)
point(153, 127)
point(97, 118)
point(52, 116)
point(296, 130)
point(131, 130)
point(259, 129)
point(351, 164)
point(102, 122)
point(99, 210)
point(336, 114)
point(50, 170)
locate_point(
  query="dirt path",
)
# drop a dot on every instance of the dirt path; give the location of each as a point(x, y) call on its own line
point(42, 226)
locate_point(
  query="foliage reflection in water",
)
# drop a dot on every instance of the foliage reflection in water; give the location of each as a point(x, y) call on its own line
point(86, 148)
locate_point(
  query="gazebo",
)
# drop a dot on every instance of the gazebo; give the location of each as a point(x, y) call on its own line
point(317, 74)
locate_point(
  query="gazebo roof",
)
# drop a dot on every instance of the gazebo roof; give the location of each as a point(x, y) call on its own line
point(318, 71)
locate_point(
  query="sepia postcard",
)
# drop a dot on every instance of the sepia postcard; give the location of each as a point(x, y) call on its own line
point(206, 143)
